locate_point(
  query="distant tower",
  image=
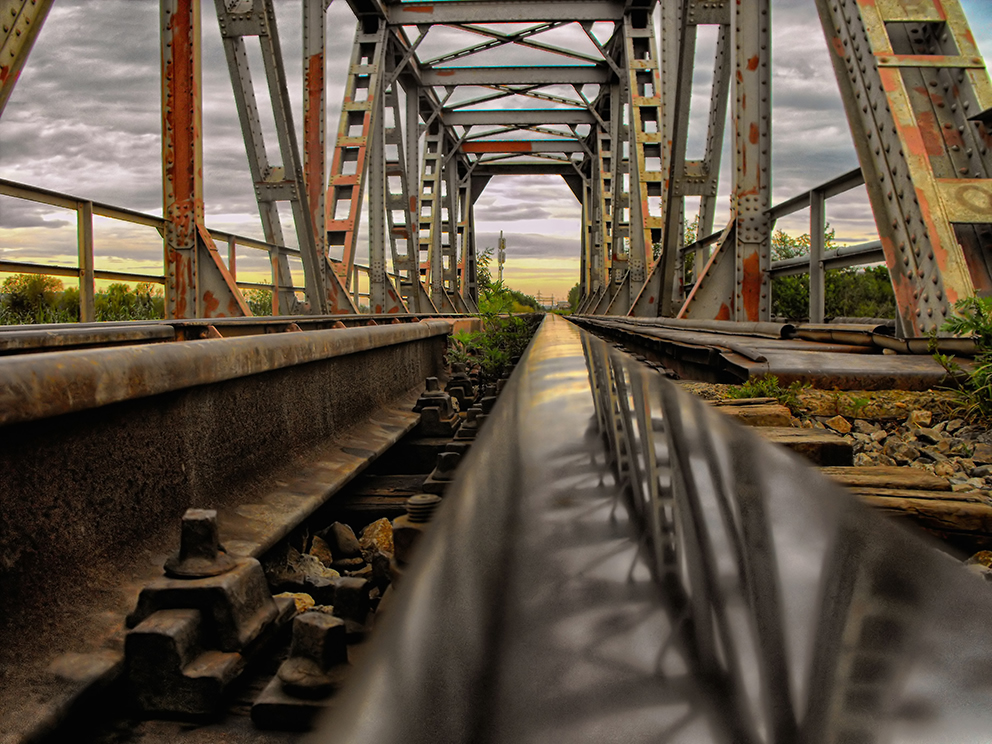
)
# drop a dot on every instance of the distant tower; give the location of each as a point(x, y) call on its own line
point(501, 254)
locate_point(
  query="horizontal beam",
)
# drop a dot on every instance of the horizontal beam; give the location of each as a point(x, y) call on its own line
point(516, 117)
point(836, 258)
point(489, 11)
point(845, 182)
point(522, 146)
point(524, 169)
point(550, 75)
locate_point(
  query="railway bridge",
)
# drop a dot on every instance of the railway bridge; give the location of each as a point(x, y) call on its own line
point(611, 558)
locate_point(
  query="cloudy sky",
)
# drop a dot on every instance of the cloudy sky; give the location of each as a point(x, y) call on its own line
point(85, 119)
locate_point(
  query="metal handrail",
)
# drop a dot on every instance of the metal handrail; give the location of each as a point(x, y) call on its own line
point(102, 209)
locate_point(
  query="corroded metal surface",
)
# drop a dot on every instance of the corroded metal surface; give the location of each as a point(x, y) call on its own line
point(709, 588)
point(847, 358)
point(40, 386)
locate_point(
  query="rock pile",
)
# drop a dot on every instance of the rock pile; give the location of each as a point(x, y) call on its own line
point(948, 448)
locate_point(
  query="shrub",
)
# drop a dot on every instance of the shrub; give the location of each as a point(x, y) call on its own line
point(973, 389)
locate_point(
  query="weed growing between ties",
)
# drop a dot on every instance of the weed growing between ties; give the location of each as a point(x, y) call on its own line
point(768, 387)
point(493, 349)
point(972, 390)
point(504, 336)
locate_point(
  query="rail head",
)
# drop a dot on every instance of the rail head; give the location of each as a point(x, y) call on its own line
point(708, 584)
point(39, 386)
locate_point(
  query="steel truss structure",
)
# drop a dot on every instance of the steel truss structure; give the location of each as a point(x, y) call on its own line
point(419, 138)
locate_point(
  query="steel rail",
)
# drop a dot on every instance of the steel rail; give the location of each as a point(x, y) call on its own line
point(617, 561)
point(39, 386)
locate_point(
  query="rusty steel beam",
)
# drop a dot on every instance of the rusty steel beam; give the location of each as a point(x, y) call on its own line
point(20, 21)
point(198, 283)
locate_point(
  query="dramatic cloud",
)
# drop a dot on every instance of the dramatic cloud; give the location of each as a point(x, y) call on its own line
point(85, 119)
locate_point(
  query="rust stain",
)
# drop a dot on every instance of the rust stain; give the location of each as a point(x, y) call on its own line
point(838, 46)
point(444, 73)
point(504, 146)
point(752, 64)
point(751, 286)
point(313, 147)
point(4, 73)
point(753, 134)
point(210, 304)
point(930, 133)
point(890, 78)
point(723, 313)
point(419, 8)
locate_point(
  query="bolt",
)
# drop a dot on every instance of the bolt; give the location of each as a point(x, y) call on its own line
point(446, 464)
point(318, 645)
point(421, 506)
point(199, 552)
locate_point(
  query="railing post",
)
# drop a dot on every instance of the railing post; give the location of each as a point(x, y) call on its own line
point(817, 228)
point(232, 257)
point(84, 239)
point(276, 274)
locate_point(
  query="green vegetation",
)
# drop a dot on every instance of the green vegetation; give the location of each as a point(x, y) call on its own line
point(973, 389)
point(36, 298)
point(854, 292)
point(504, 336)
point(574, 297)
point(259, 301)
point(495, 298)
point(768, 387)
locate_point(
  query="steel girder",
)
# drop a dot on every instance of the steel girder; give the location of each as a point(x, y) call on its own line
point(197, 284)
point(919, 103)
point(724, 287)
point(22, 21)
point(915, 88)
point(495, 11)
point(275, 183)
point(663, 293)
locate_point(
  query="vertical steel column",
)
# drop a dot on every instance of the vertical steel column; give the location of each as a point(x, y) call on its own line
point(619, 288)
point(663, 292)
point(644, 138)
point(604, 152)
point(22, 22)
point(450, 226)
point(817, 228)
point(585, 249)
point(377, 207)
point(478, 185)
point(197, 284)
point(752, 145)
point(314, 113)
point(464, 235)
point(84, 239)
point(429, 212)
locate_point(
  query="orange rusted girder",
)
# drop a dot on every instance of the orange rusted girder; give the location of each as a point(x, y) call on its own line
point(197, 283)
point(917, 96)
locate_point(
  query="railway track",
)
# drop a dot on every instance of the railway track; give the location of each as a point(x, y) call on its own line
point(606, 534)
